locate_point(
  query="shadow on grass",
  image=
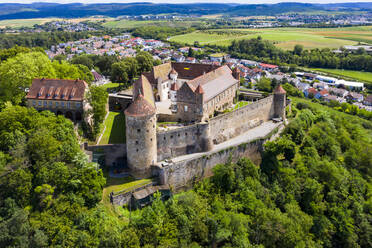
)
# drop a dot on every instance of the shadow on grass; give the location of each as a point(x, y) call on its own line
point(117, 135)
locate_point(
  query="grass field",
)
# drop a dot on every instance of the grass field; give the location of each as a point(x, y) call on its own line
point(135, 24)
point(285, 38)
point(356, 75)
point(115, 185)
point(115, 129)
point(18, 23)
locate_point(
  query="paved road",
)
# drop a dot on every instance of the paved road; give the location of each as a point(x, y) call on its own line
point(255, 133)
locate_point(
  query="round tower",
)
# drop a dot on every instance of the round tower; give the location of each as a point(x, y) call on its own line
point(140, 119)
point(173, 75)
point(279, 102)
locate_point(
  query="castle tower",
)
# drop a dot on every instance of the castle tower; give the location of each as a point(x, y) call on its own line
point(236, 73)
point(140, 119)
point(173, 75)
point(279, 102)
point(200, 96)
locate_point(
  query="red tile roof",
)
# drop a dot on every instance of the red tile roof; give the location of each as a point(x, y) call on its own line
point(279, 90)
point(57, 89)
point(268, 66)
point(199, 90)
point(140, 107)
point(174, 87)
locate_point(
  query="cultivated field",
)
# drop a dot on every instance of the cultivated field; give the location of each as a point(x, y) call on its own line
point(135, 24)
point(355, 75)
point(18, 23)
point(285, 38)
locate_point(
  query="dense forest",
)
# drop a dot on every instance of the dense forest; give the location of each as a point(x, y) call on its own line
point(48, 39)
point(73, 10)
point(309, 191)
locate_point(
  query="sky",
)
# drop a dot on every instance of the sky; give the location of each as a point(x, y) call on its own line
point(182, 1)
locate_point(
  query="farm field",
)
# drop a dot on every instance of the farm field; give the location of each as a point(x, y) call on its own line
point(356, 75)
point(18, 23)
point(285, 38)
point(135, 24)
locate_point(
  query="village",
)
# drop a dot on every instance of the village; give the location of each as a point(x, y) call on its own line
point(313, 85)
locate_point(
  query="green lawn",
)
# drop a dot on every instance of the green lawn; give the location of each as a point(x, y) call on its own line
point(116, 185)
point(241, 104)
point(115, 129)
point(109, 86)
point(356, 75)
point(285, 38)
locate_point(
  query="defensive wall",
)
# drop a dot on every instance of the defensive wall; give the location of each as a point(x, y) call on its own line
point(184, 173)
point(114, 153)
point(181, 141)
point(232, 124)
point(200, 137)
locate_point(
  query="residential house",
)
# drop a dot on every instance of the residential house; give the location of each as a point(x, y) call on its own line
point(353, 96)
point(368, 100)
point(338, 92)
point(61, 96)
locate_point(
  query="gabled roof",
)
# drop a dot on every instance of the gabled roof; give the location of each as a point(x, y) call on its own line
point(143, 87)
point(199, 90)
point(214, 82)
point(57, 89)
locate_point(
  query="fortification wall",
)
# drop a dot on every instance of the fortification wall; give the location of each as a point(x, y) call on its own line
point(112, 152)
point(181, 141)
point(230, 125)
point(185, 173)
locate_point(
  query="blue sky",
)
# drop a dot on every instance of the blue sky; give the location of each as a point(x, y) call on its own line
point(182, 1)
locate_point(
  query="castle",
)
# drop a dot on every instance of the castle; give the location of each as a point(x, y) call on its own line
point(193, 92)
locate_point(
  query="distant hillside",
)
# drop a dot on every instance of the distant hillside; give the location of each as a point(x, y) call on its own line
point(40, 10)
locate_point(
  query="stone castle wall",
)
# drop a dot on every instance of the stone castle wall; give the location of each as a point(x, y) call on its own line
point(181, 141)
point(201, 137)
point(182, 174)
point(230, 125)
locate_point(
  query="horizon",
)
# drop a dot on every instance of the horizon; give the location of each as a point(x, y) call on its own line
point(184, 1)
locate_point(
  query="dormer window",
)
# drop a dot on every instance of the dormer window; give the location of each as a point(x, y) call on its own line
point(41, 91)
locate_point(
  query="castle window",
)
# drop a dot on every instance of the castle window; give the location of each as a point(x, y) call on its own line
point(147, 130)
point(136, 150)
point(171, 136)
point(164, 137)
point(68, 105)
point(39, 103)
point(153, 126)
point(186, 108)
point(50, 104)
point(136, 142)
point(151, 139)
point(45, 103)
point(62, 104)
point(186, 134)
point(34, 103)
point(138, 130)
point(56, 104)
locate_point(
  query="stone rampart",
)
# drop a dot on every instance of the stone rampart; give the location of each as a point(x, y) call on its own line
point(182, 174)
point(232, 124)
point(183, 140)
point(114, 153)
